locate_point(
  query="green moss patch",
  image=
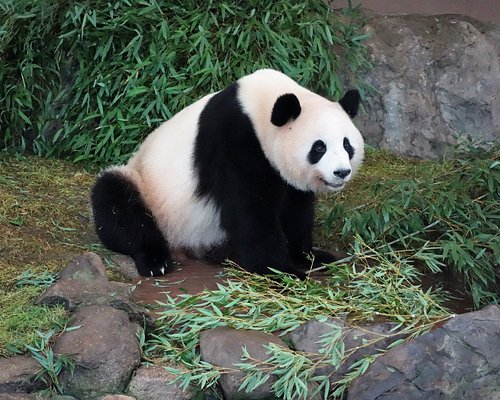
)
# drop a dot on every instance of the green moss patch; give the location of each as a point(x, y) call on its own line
point(44, 222)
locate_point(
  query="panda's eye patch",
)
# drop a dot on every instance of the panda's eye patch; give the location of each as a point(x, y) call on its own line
point(318, 149)
point(348, 148)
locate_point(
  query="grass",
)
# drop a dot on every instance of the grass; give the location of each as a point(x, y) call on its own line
point(21, 319)
point(51, 364)
point(44, 224)
point(379, 168)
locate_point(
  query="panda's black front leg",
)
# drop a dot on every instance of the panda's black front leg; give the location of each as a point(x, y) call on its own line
point(297, 222)
point(256, 237)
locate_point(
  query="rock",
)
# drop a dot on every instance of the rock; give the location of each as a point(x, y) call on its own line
point(437, 78)
point(459, 361)
point(73, 293)
point(105, 348)
point(87, 267)
point(222, 347)
point(20, 396)
point(17, 374)
point(117, 397)
point(155, 383)
point(126, 266)
point(83, 282)
point(359, 342)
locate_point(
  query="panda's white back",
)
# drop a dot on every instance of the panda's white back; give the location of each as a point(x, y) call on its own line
point(163, 170)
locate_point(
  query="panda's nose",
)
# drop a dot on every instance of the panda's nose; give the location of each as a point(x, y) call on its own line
point(341, 173)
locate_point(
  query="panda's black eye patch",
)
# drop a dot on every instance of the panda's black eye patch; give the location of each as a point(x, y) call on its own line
point(348, 148)
point(318, 149)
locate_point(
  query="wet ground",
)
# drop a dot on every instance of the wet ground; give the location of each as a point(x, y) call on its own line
point(191, 277)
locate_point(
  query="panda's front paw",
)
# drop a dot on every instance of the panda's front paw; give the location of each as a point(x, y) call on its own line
point(152, 266)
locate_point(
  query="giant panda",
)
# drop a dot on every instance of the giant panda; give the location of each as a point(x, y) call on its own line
point(240, 166)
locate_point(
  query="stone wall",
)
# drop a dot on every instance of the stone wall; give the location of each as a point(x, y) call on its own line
point(437, 79)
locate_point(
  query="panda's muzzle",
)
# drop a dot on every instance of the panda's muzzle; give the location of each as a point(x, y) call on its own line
point(333, 185)
point(340, 177)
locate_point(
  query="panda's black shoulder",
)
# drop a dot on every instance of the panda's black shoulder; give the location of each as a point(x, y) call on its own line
point(226, 149)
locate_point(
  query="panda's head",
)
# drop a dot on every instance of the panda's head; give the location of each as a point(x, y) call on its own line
point(314, 144)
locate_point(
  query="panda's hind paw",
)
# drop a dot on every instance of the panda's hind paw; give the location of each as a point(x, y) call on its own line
point(152, 271)
point(149, 266)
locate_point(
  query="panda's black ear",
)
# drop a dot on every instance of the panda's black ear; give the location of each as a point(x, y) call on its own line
point(287, 107)
point(350, 102)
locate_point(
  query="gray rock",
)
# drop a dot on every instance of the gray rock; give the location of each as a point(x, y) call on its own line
point(222, 347)
point(359, 342)
point(459, 361)
point(21, 396)
point(17, 374)
point(117, 397)
point(87, 267)
point(126, 266)
point(437, 78)
point(105, 348)
point(83, 282)
point(155, 383)
point(73, 293)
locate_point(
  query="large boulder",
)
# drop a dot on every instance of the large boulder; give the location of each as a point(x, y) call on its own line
point(437, 78)
point(84, 282)
point(222, 347)
point(358, 342)
point(104, 346)
point(459, 361)
point(18, 374)
point(156, 383)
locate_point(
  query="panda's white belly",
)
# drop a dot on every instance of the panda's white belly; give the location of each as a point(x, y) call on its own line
point(164, 166)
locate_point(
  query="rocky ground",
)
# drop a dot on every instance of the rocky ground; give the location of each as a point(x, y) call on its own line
point(459, 360)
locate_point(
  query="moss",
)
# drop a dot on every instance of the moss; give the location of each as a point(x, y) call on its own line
point(45, 222)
